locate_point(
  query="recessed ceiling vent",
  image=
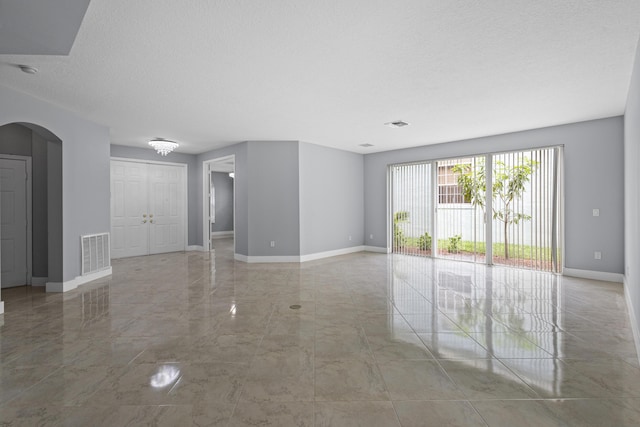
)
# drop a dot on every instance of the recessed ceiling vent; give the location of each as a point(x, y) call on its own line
point(397, 124)
point(366, 145)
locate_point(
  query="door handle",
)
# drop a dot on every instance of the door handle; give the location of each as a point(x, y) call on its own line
point(144, 221)
point(151, 221)
point(150, 215)
point(144, 215)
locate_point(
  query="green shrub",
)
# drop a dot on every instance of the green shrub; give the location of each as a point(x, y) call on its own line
point(424, 242)
point(399, 239)
point(454, 244)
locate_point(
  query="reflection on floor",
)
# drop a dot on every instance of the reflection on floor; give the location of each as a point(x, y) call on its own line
point(378, 340)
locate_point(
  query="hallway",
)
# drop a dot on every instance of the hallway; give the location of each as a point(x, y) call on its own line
point(362, 339)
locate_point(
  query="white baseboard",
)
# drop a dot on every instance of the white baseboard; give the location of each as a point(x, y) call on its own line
point(298, 258)
point(78, 281)
point(221, 234)
point(198, 248)
point(593, 275)
point(377, 249)
point(39, 281)
point(632, 318)
point(240, 257)
point(266, 259)
point(328, 254)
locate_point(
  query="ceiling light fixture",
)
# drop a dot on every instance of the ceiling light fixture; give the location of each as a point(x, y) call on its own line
point(28, 69)
point(397, 124)
point(163, 146)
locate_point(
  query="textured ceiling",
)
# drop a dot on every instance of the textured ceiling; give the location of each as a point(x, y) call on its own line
point(211, 73)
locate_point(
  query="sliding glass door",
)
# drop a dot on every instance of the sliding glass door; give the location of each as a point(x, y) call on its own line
point(460, 223)
point(412, 209)
point(455, 209)
point(527, 209)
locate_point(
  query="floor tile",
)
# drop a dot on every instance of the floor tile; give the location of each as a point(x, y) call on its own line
point(437, 413)
point(418, 380)
point(356, 414)
point(348, 380)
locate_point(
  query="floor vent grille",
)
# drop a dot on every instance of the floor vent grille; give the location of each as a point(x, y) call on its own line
point(95, 253)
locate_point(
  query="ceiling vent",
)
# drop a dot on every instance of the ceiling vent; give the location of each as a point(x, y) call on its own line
point(397, 124)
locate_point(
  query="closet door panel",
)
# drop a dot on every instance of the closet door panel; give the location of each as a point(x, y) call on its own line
point(167, 205)
point(129, 225)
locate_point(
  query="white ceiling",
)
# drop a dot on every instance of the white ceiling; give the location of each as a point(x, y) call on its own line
point(211, 73)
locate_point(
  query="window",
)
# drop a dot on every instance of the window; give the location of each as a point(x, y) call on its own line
point(448, 189)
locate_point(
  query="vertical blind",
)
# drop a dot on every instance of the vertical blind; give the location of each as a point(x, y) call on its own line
point(431, 214)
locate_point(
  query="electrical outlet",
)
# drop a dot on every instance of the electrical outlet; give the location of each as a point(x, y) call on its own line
point(272, 244)
point(597, 255)
point(596, 212)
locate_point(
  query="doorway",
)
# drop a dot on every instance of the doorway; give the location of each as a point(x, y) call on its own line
point(16, 213)
point(148, 208)
point(219, 200)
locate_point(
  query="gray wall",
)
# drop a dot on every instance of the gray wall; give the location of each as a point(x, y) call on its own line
point(85, 173)
point(223, 185)
point(19, 140)
point(593, 154)
point(54, 211)
point(274, 202)
point(40, 205)
point(632, 190)
point(331, 199)
point(190, 160)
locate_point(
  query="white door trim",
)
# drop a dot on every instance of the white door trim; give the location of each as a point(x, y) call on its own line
point(185, 188)
point(206, 225)
point(27, 160)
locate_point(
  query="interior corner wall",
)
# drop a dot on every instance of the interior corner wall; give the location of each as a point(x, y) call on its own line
point(274, 198)
point(190, 160)
point(331, 199)
point(593, 155)
point(223, 185)
point(632, 190)
point(85, 174)
point(241, 193)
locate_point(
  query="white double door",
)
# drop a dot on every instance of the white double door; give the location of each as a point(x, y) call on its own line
point(148, 208)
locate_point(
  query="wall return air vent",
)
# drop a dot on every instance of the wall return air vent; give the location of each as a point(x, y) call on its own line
point(96, 254)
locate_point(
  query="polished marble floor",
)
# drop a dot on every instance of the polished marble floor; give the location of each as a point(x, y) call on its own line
point(377, 340)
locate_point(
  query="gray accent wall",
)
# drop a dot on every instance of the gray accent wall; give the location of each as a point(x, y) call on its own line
point(274, 213)
point(632, 192)
point(85, 171)
point(223, 185)
point(331, 199)
point(593, 155)
point(192, 178)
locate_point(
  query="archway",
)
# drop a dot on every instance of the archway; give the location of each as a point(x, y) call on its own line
point(42, 149)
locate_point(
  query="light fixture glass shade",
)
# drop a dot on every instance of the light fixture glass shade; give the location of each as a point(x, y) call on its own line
point(163, 146)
